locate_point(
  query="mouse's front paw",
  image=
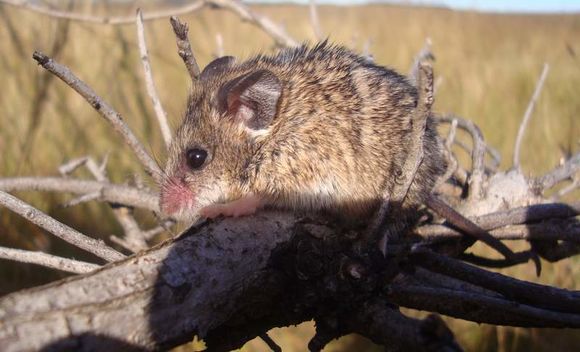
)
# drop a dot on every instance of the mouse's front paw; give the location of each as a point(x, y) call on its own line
point(241, 207)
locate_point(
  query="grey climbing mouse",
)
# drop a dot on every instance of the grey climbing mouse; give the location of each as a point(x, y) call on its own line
point(309, 129)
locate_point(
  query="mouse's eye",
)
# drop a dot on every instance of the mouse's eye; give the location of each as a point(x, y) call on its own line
point(195, 157)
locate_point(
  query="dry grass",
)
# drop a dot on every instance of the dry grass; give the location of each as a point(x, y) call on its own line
point(488, 65)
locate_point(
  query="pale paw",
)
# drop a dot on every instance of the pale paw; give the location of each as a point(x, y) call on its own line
point(241, 207)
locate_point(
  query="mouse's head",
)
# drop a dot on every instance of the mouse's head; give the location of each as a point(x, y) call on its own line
point(209, 160)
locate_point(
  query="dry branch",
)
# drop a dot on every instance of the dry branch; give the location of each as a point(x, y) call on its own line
point(528, 115)
point(414, 158)
point(47, 260)
point(314, 20)
point(150, 83)
point(109, 192)
point(184, 47)
point(477, 155)
point(112, 20)
point(232, 280)
point(59, 229)
point(277, 32)
point(106, 111)
point(275, 273)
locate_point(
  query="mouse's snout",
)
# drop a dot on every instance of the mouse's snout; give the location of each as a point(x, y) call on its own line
point(175, 197)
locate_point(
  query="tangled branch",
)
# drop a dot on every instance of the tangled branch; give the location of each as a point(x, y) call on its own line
point(232, 280)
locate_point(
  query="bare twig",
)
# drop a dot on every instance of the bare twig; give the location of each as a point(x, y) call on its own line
point(516, 216)
point(477, 155)
point(424, 55)
point(47, 260)
point(103, 108)
point(278, 33)
point(134, 238)
point(524, 292)
point(184, 47)
point(314, 20)
point(150, 83)
point(559, 174)
point(70, 166)
point(565, 230)
point(85, 198)
point(268, 340)
point(59, 229)
point(219, 45)
point(414, 158)
point(464, 224)
point(112, 20)
point(527, 115)
point(113, 193)
point(478, 307)
point(452, 163)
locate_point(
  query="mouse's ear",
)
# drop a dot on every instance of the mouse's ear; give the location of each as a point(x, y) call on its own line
point(252, 98)
point(216, 66)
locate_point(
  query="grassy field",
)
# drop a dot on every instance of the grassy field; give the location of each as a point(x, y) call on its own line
point(487, 66)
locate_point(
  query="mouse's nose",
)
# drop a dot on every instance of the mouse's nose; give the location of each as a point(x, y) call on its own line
point(175, 196)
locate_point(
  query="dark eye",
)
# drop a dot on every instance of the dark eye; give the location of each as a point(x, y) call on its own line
point(195, 157)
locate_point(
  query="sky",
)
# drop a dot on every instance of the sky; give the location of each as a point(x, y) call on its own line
point(536, 6)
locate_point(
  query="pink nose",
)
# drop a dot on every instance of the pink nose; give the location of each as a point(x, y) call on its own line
point(175, 196)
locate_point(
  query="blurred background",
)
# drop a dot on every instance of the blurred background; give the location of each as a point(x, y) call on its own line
point(489, 55)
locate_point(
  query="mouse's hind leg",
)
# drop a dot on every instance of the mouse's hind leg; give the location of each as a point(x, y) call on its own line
point(244, 206)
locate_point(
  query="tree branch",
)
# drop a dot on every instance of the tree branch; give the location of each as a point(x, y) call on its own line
point(107, 20)
point(109, 192)
point(59, 229)
point(150, 83)
point(528, 114)
point(106, 111)
point(184, 47)
point(47, 260)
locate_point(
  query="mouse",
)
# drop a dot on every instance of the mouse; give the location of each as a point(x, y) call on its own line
point(308, 129)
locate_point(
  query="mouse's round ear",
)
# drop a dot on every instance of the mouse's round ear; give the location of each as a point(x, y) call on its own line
point(252, 98)
point(216, 66)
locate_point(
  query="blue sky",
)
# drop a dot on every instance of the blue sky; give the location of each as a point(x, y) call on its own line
point(481, 5)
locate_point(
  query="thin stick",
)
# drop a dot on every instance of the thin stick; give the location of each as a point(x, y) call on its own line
point(59, 229)
point(559, 174)
point(314, 21)
point(562, 230)
point(47, 260)
point(219, 45)
point(106, 111)
point(425, 54)
point(277, 32)
point(415, 155)
point(133, 235)
point(114, 20)
point(150, 83)
point(271, 344)
point(184, 48)
point(468, 226)
point(528, 114)
point(521, 291)
point(110, 192)
point(452, 163)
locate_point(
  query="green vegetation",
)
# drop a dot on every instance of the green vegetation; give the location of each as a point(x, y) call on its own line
point(488, 65)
